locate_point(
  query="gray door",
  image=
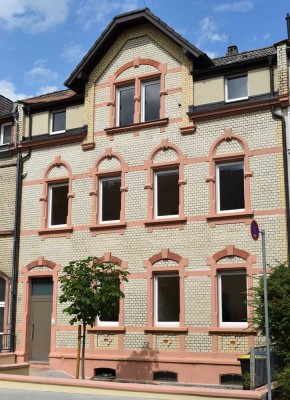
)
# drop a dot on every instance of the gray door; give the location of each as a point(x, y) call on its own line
point(40, 328)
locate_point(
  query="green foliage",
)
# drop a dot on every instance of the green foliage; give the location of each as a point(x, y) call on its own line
point(283, 384)
point(246, 380)
point(91, 289)
point(278, 284)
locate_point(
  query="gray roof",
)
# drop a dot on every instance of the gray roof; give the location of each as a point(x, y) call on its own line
point(6, 106)
point(49, 97)
point(245, 56)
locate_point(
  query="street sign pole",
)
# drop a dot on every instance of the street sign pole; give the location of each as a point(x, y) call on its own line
point(255, 235)
point(262, 231)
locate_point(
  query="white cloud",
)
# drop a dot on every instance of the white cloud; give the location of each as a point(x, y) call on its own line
point(211, 54)
point(238, 6)
point(33, 15)
point(39, 73)
point(8, 89)
point(73, 52)
point(208, 32)
point(46, 89)
point(266, 36)
point(90, 14)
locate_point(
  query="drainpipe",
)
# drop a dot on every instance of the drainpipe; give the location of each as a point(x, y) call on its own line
point(285, 155)
point(16, 236)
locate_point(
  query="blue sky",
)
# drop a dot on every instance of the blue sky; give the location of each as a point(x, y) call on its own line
point(42, 41)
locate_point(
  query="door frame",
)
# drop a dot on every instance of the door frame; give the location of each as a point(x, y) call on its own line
point(39, 268)
point(33, 300)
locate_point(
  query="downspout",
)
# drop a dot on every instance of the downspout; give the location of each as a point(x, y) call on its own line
point(16, 236)
point(285, 154)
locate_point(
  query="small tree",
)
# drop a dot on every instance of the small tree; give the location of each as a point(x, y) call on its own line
point(92, 290)
point(278, 285)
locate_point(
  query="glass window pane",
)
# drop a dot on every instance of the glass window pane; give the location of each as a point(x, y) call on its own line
point(2, 289)
point(237, 87)
point(1, 319)
point(167, 193)
point(168, 298)
point(58, 121)
point(41, 287)
point(59, 205)
point(6, 134)
point(152, 101)
point(234, 297)
point(113, 315)
point(126, 106)
point(231, 186)
point(111, 199)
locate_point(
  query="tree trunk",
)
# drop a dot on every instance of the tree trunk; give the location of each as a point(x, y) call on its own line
point(83, 351)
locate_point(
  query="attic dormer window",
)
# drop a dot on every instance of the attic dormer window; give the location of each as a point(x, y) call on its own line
point(57, 122)
point(5, 133)
point(236, 87)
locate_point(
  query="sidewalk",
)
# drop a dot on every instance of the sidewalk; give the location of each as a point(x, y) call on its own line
point(47, 380)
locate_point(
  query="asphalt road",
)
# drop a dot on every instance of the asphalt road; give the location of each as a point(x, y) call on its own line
point(15, 394)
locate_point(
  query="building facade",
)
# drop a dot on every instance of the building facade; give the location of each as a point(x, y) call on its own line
point(158, 158)
point(8, 168)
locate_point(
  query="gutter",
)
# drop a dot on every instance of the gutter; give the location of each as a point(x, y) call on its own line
point(285, 155)
point(16, 236)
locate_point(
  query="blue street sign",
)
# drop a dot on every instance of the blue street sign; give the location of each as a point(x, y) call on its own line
point(255, 230)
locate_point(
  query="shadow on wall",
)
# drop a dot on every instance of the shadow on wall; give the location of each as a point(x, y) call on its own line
point(140, 365)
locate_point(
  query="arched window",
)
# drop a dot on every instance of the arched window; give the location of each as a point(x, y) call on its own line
point(166, 272)
point(109, 193)
point(165, 185)
point(57, 199)
point(231, 282)
point(229, 178)
point(4, 300)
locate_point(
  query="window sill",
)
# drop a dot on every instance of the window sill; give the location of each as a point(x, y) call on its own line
point(107, 329)
point(166, 223)
point(118, 227)
point(56, 232)
point(137, 126)
point(230, 218)
point(166, 329)
point(232, 330)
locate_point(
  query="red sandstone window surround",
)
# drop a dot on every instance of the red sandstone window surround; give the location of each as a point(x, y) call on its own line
point(108, 193)
point(4, 300)
point(229, 180)
point(140, 99)
point(165, 186)
point(166, 291)
point(57, 200)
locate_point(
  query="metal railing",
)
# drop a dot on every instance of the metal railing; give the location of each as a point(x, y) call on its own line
point(5, 339)
point(258, 365)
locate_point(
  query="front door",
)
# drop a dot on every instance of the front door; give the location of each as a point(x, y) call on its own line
point(40, 327)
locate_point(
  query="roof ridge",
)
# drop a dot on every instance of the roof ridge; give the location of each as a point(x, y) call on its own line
point(246, 52)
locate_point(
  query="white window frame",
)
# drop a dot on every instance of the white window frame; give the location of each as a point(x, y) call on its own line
point(50, 188)
point(143, 97)
point(2, 133)
point(2, 305)
point(119, 89)
point(155, 193)
point(218, 165)
point(51, 121)
point(226, 88)
point(101, 180)
point(230, 324)
point(155, 280)
point(108, 323)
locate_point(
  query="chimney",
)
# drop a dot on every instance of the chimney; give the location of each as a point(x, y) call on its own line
point(288, 25)
point(232, 51)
